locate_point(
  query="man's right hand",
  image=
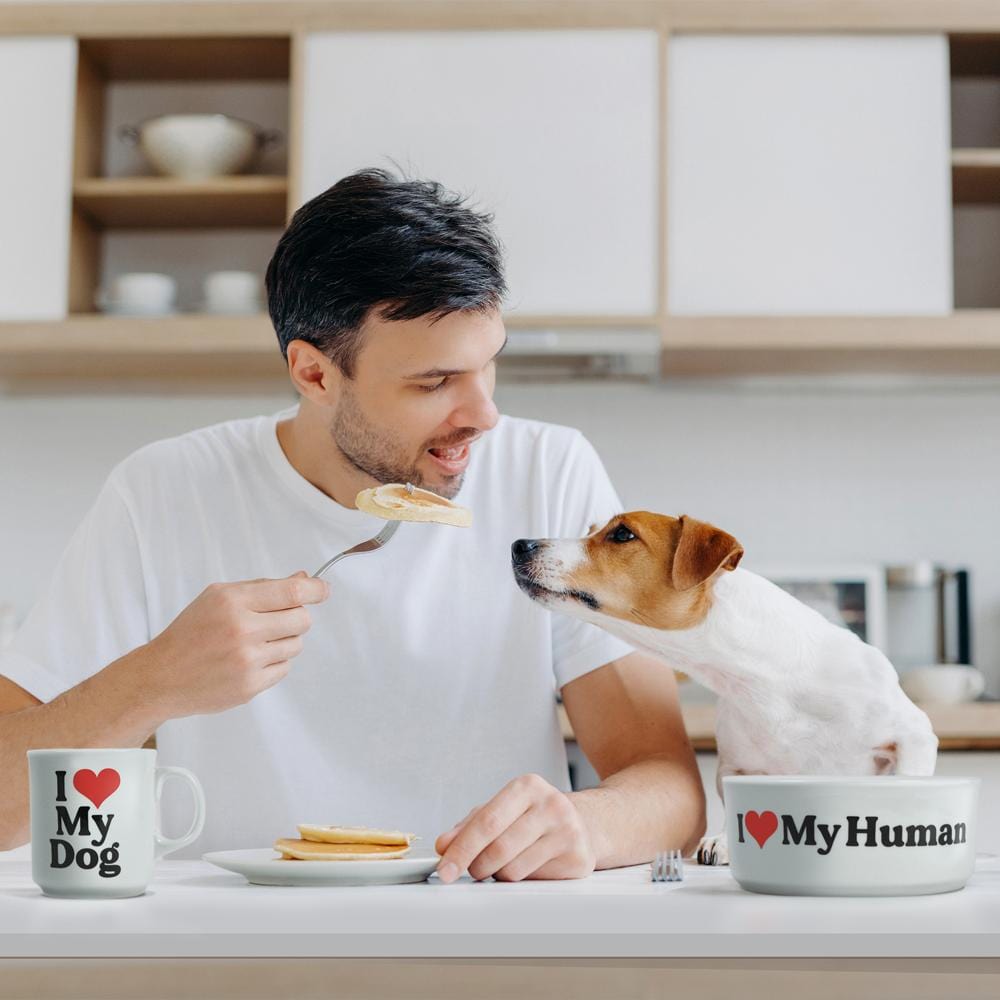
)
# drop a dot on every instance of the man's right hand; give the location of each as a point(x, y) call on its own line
point(230, 643)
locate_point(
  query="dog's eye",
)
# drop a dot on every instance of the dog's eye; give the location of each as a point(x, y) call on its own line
point(621, 534)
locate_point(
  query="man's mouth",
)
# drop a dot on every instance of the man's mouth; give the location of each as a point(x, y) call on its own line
point(452, 460)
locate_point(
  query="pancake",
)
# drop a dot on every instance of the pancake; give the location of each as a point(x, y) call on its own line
point(393, 502)
point(354, 835)
point(310, 850)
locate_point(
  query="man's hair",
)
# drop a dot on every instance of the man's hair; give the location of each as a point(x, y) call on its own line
point(408, 247)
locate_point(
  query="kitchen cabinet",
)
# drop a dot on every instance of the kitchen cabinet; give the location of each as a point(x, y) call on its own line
point(555, 131)
point(809, 175)
point(37, 95)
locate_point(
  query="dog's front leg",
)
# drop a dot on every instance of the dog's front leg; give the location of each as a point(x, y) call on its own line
point(713, 850)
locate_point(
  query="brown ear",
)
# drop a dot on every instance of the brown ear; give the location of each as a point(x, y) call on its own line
point(701, 550)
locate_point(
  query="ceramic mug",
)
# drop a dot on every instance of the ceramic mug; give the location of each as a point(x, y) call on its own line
point(943, 683)
point(139, 293)
point(93, 820)
point(891, 835)
point(232, 291)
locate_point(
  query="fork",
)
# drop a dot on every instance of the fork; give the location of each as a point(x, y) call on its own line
point(668, 866)
point(369, 546)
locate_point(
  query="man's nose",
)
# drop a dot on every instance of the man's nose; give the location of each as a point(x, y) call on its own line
point(477, 410)
point(522, 550)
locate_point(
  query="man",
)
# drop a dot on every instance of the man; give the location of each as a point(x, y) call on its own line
point(424, 693)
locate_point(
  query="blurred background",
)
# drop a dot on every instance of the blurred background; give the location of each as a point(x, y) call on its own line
point(753, 252)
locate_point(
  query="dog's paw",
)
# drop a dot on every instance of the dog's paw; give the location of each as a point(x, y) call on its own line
point(713, 850)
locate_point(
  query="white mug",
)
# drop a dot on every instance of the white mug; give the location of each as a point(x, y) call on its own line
point(943, 683)
point(93, 820)
point(232, 291)
point(140, 293)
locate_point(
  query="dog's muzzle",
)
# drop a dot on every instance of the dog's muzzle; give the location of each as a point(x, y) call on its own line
point(523, 551)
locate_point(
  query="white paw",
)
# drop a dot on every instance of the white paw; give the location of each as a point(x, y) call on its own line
point(713, 850)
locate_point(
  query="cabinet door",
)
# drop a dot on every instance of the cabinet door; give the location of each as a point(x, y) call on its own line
point(808, 174)
point(554, 131)
point(37, 90)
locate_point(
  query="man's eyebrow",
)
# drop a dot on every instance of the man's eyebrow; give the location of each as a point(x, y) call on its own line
point(444, 372)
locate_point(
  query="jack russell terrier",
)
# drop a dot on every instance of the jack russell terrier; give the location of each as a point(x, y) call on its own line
point(796, 694)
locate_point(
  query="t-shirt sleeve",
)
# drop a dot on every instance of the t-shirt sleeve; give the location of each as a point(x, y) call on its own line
point(93, 609)
point(585, 497)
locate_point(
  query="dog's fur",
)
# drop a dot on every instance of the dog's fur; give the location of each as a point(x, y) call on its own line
point(796, 694)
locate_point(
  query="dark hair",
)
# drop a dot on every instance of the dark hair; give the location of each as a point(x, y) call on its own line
point(408, 247)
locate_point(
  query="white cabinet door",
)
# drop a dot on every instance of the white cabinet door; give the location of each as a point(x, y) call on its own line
point(554, 131)
point(37, 92)
point(808, 174)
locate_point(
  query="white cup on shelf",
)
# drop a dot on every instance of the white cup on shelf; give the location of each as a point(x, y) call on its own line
point(139, 293)
point(232, 292)
point(943, 683)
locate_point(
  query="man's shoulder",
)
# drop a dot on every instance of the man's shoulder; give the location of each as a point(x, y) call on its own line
point(195, 455)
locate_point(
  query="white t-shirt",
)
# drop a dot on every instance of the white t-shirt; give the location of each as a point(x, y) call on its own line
point(428, 680)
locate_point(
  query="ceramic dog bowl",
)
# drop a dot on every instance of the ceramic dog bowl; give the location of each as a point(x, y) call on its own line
point(795, 835)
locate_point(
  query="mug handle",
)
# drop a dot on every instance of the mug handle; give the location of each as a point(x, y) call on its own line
point(977, 684)
point(164, 845)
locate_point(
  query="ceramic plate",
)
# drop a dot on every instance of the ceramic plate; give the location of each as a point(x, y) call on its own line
point(262, 866)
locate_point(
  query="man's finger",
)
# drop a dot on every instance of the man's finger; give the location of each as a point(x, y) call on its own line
point(524, 832)
point(282, 624)
point(444, 839)
point(279, 595)
point(492, 820)
point(532, 860)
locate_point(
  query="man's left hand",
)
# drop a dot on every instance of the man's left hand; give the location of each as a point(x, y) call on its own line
point(529, 829)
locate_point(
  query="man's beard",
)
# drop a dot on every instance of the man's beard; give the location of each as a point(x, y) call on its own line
point(375, 452)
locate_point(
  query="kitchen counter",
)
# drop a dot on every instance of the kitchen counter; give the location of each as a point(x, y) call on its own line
point(193, 909)
point(200, 931)
point(971, 726)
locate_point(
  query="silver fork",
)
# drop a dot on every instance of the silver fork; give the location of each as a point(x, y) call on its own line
point(369, 546)
point(668, 866)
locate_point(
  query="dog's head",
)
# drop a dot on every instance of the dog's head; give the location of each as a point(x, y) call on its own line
point(648, 569)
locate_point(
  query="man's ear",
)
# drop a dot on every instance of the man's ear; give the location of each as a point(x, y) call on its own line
point(701, 550)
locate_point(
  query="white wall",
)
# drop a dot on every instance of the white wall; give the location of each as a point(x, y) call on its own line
point(797, 474)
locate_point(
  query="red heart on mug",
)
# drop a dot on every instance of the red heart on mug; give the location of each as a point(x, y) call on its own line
point(760, 827)
point(96, 787)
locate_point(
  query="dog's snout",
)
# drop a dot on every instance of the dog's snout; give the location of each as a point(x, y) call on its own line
point(523, 549)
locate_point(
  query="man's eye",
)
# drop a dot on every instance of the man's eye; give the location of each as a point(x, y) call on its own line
point(434, 387)
point(621, 534)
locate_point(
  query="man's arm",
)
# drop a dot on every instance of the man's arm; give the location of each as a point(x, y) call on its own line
point(230, 643)
point(627, 720)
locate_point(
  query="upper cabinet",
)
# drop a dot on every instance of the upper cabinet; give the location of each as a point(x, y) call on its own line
point(37, 95)
point(808, 175)
point(556, 132)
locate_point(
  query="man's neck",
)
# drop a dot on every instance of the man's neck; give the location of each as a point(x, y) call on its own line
point(311, 451)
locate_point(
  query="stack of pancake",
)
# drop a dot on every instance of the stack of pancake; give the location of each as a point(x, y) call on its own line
point(344, 843)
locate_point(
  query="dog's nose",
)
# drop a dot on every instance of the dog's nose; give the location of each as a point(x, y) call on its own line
point(522, 550)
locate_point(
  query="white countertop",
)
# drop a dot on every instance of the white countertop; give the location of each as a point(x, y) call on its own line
point(193, 910)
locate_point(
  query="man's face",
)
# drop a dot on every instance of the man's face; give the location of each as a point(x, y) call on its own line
point(422, 392)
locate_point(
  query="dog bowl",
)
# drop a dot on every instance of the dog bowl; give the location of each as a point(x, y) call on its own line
point(195, 146)
point(798, 835)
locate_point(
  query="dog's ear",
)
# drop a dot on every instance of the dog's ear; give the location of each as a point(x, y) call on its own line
point(701, 550)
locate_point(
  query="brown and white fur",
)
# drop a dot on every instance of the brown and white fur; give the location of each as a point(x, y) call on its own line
point(796, 694)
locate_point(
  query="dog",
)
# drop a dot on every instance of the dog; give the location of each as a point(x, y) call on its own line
point(796, 693)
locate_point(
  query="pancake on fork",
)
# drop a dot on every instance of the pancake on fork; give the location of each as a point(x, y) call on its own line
point(401, 502)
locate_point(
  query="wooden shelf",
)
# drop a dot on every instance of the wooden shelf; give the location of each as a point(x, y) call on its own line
point(967, 342)
point(964, 343)
point(170, 203)
point(975, 176)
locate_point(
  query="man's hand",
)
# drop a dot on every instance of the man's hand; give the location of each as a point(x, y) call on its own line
point(230, 643)
point(529, 829)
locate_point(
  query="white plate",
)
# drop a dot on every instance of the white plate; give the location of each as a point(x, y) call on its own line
point(262, 866)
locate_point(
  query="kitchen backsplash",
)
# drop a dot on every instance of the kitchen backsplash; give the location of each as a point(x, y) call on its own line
point(801, 475)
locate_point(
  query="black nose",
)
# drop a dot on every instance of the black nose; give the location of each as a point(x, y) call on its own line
point(521, 551)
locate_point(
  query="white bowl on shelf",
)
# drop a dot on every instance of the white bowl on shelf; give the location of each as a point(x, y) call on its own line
point(198, 146)
point(802, 835)
point(139, 293)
